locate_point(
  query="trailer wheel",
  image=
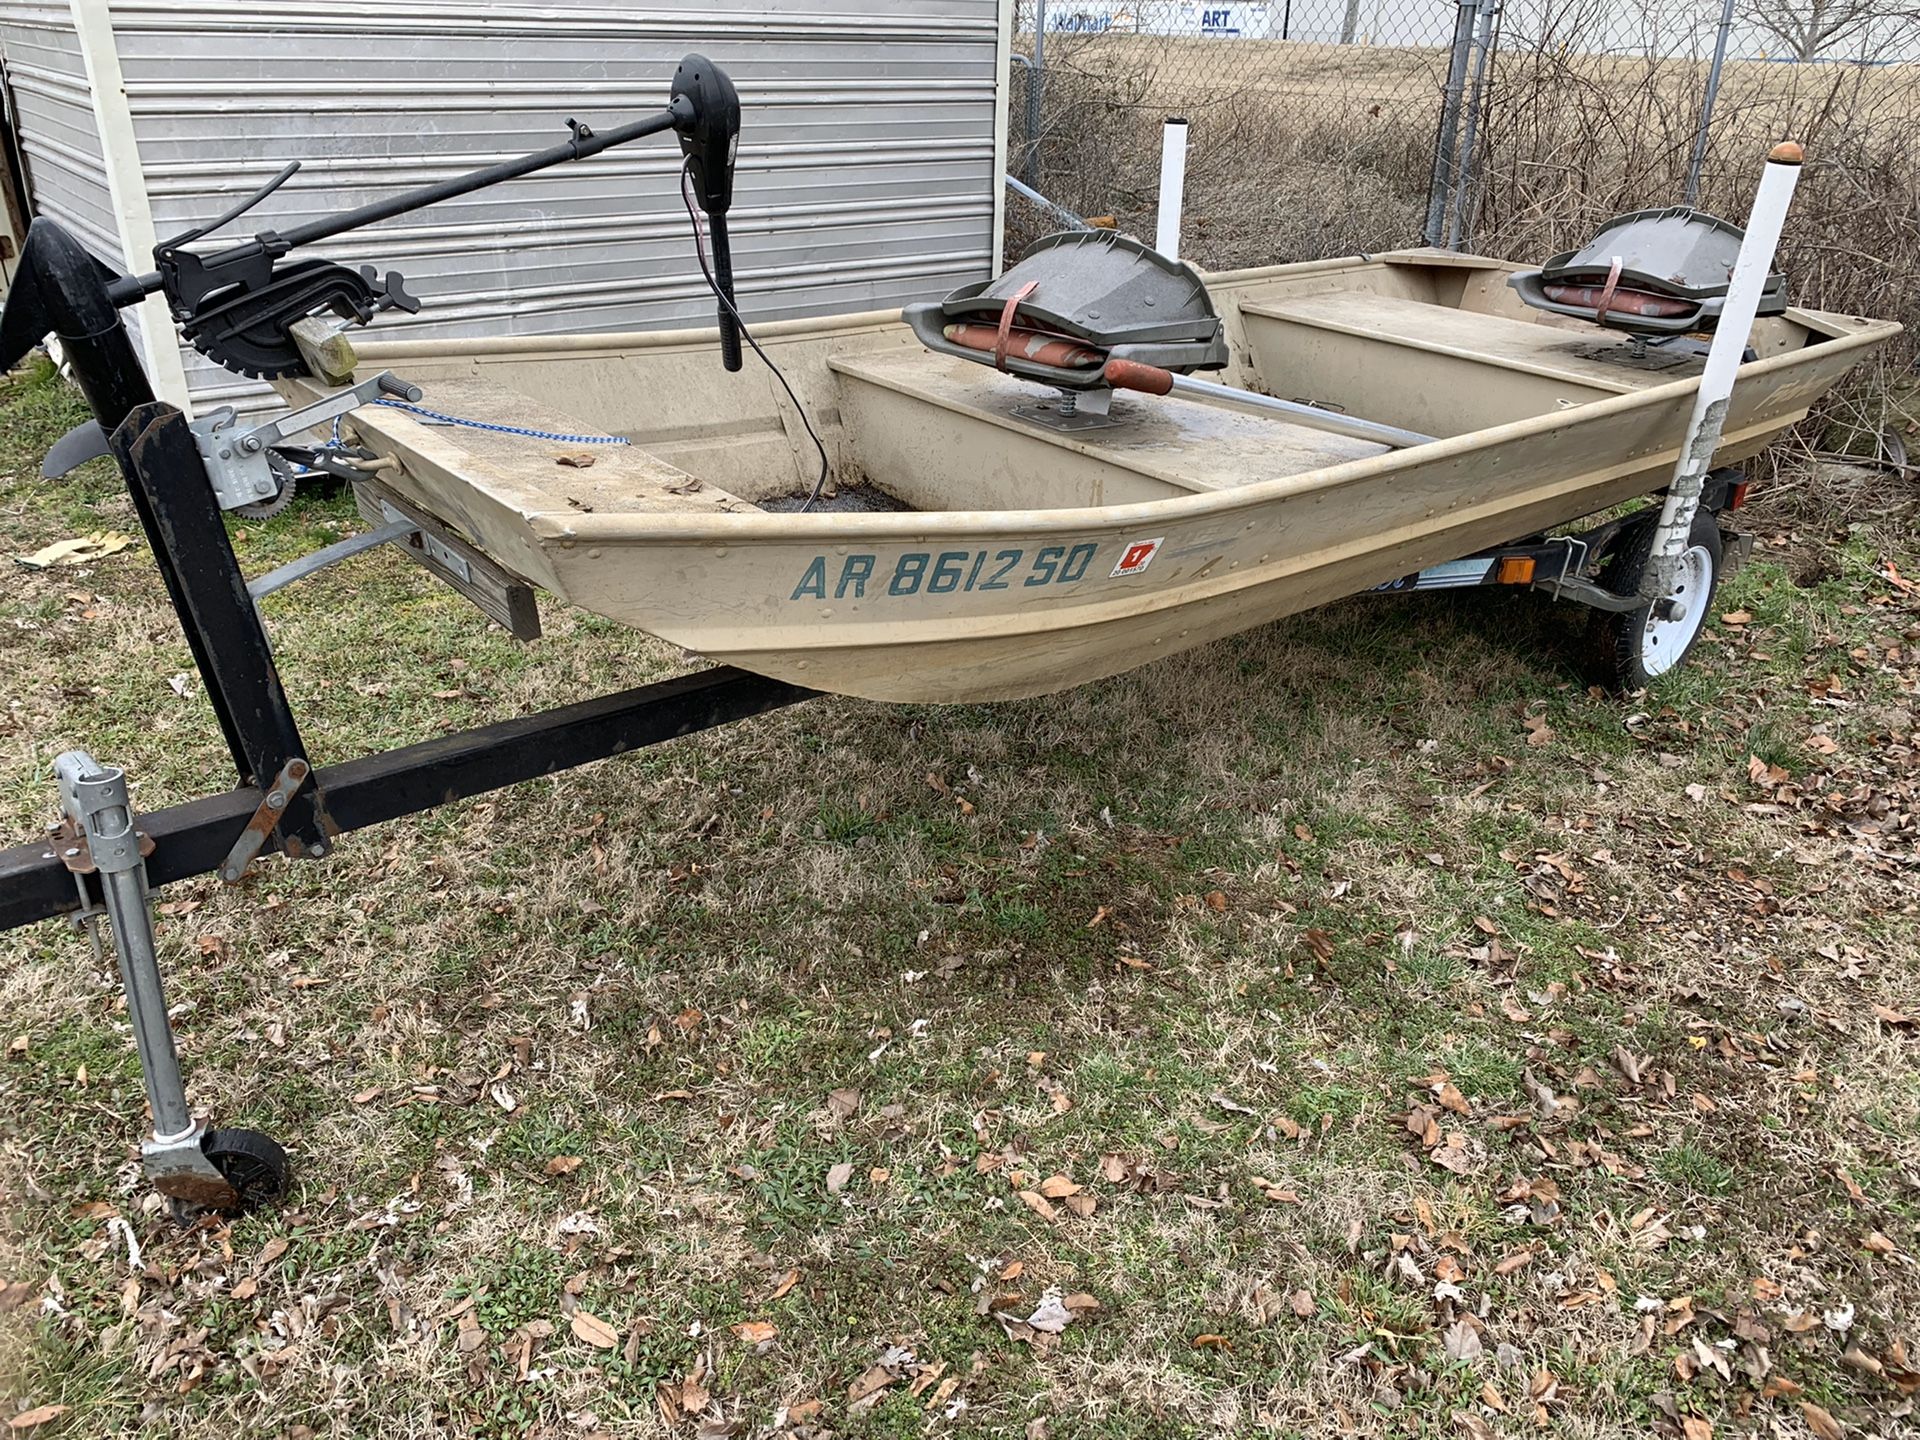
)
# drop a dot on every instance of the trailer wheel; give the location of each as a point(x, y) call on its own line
point(1634, 647)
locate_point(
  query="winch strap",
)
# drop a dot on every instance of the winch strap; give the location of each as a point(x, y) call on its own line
point(1005, 336)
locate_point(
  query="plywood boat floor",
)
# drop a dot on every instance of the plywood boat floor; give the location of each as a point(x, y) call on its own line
point(1155, 448)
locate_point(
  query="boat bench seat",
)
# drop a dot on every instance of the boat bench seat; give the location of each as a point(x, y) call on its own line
point(912, 415)
point(1502, 342)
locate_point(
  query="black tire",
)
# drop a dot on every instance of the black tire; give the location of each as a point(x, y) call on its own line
point(1631, 649)
point(252, 1163)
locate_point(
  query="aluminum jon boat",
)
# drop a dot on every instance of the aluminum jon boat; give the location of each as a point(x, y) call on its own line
point(1022, 558)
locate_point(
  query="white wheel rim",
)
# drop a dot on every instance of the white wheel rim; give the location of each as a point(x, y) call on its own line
point(1670, 627)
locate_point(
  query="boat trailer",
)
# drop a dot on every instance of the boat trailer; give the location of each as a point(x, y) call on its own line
point(251, 308)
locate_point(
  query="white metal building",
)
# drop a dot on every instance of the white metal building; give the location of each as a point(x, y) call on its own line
point(873, 141)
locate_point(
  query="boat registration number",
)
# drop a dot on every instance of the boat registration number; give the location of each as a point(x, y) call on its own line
point(942, 572)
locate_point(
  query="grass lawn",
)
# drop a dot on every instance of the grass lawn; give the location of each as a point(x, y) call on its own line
point(1356, 1027)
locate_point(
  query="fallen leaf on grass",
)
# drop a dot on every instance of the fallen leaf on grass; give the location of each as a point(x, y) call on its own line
point(39, 1415)
point(838, 1176)
point(595, 1331)
point(787, 1282)
point(1462, 1341)
point(1517, 1260)
point(271, 1251)
point(563, 1165)
point(1302, 1304)
point(1212, 1342)
point(1694, 1428)
point(1058, 1187)
point(1821, 1422)
point(1472, 1426)
point(757, 1332)
point(77, 550)
point(1037, 1203)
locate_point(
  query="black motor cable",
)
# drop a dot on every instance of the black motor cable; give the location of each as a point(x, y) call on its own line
point(700, 251)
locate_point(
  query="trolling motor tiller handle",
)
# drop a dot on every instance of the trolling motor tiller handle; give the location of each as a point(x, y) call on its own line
point(237, 304)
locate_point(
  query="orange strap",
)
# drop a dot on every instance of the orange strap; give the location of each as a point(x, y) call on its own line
point(1005, 335)
point(1606, 294)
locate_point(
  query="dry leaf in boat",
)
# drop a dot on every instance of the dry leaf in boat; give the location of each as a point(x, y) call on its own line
point(576, 459)
point(595, 1331)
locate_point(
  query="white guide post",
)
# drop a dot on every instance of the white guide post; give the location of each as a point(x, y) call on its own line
point(1730, 336)
point(1173, 184)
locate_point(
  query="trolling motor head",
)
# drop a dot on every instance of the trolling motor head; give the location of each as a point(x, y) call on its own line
point(709, 137)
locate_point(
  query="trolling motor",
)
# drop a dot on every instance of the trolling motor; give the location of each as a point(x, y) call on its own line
point(238, 306)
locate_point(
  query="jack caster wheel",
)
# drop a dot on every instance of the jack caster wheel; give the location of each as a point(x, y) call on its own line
point(253, 1164)
point(1635, 647)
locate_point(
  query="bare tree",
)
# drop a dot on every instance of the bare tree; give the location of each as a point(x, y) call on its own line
point(1809, 27)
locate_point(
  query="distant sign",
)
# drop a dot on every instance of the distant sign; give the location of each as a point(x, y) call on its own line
point(1117, 17)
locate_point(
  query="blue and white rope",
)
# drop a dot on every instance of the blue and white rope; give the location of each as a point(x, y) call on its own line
point(436, 417)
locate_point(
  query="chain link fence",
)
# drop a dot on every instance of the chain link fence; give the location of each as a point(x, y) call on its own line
point(1510, 127)
point(1313, 122)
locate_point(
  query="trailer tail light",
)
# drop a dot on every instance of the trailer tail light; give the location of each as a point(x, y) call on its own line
point(1737, 494)
point(1516, 570)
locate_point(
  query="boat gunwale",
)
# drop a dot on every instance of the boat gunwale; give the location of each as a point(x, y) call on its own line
point(763, 527)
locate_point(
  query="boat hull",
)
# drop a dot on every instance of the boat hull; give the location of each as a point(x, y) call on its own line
point(1005, 602)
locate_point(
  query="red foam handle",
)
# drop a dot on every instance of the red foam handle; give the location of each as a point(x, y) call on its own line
point(1132, 375)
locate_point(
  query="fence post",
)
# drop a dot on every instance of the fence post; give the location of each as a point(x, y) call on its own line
point(1706, 104)
point(1440, 189)
point(1036, 82)
point(1458, 230)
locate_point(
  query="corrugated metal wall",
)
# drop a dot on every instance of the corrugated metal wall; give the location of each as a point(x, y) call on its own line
point(53, 116)
point(867, 167)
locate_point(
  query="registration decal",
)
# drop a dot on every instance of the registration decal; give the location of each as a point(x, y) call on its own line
point(1137, 556)
point(945, 572)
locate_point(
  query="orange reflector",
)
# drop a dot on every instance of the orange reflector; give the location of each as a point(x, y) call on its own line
point(1737, 496)
point(1516, 569)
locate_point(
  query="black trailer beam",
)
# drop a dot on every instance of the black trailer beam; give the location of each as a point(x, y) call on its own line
point(194, 838)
